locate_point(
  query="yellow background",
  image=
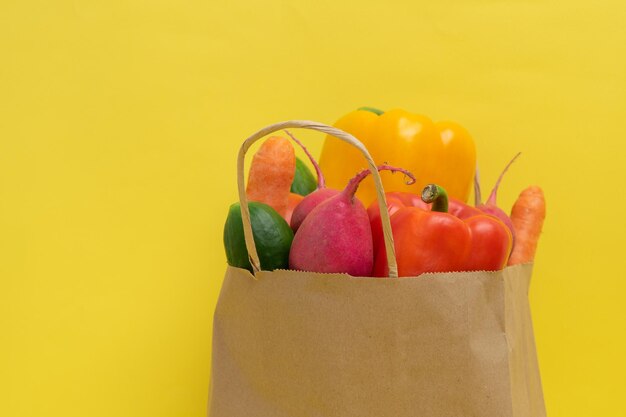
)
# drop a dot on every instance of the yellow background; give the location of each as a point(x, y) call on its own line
point(119, 126)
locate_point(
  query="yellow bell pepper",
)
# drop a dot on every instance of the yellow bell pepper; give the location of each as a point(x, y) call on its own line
point(442, 153)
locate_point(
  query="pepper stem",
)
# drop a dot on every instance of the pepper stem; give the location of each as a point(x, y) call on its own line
point(352, 186)
point(435, 194)
point(372, 109)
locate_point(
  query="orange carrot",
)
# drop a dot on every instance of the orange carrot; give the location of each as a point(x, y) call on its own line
point(293, 200)
point(527, 216)
point(271, 174)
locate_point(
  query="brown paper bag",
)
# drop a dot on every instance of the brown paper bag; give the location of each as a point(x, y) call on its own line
point(289, 343)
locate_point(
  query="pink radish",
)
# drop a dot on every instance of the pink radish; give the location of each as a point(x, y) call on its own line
point(316, 197)
point(336, 236)
point(491, 207)
point(308, 203)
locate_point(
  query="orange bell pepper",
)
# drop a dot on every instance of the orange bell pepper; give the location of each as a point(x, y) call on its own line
point(436, 152)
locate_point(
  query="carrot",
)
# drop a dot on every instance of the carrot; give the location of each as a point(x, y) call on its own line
point(271, 174)
point(293, 200)
point(527, 216)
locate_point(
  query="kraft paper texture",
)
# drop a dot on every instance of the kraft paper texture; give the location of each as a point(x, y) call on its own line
point(288, 343)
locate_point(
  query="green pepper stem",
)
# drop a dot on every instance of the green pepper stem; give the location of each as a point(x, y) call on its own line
point(371, 109)
point(435, 194)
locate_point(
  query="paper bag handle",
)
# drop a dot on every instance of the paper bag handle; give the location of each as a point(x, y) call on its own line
point(339, 134)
